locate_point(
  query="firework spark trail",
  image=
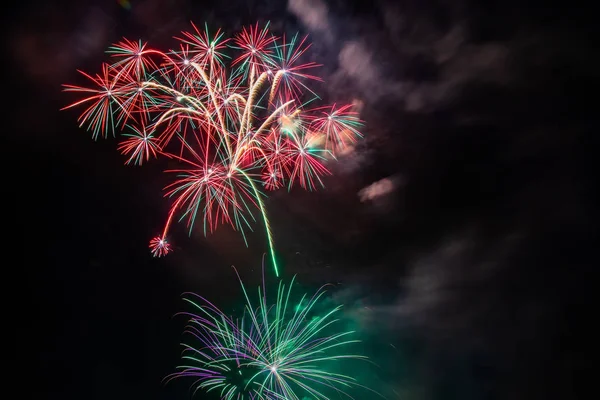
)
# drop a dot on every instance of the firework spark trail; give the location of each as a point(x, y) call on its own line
point(236, 129)
point(273, 351)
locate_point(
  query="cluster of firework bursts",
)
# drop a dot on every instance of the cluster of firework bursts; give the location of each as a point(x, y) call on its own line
point(237, 126)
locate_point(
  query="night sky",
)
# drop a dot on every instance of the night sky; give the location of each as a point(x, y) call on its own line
point(473, 259)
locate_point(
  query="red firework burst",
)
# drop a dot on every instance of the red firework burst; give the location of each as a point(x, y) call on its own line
point(233, 130)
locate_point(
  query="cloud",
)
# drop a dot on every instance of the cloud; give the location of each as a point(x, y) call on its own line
point(313, 14)
point(378, 189)
point(354, 58)
point(458, 63)
point(357, 66)
point(365, 57)
point(351, 159)
point(356, 61)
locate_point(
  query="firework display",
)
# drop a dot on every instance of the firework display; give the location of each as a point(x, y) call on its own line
point(274, 351)
point(236, 126)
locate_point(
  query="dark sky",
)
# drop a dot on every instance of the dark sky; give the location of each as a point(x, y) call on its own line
point(476, 265)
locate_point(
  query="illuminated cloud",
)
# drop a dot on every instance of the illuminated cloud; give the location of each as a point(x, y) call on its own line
point(378, 189)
